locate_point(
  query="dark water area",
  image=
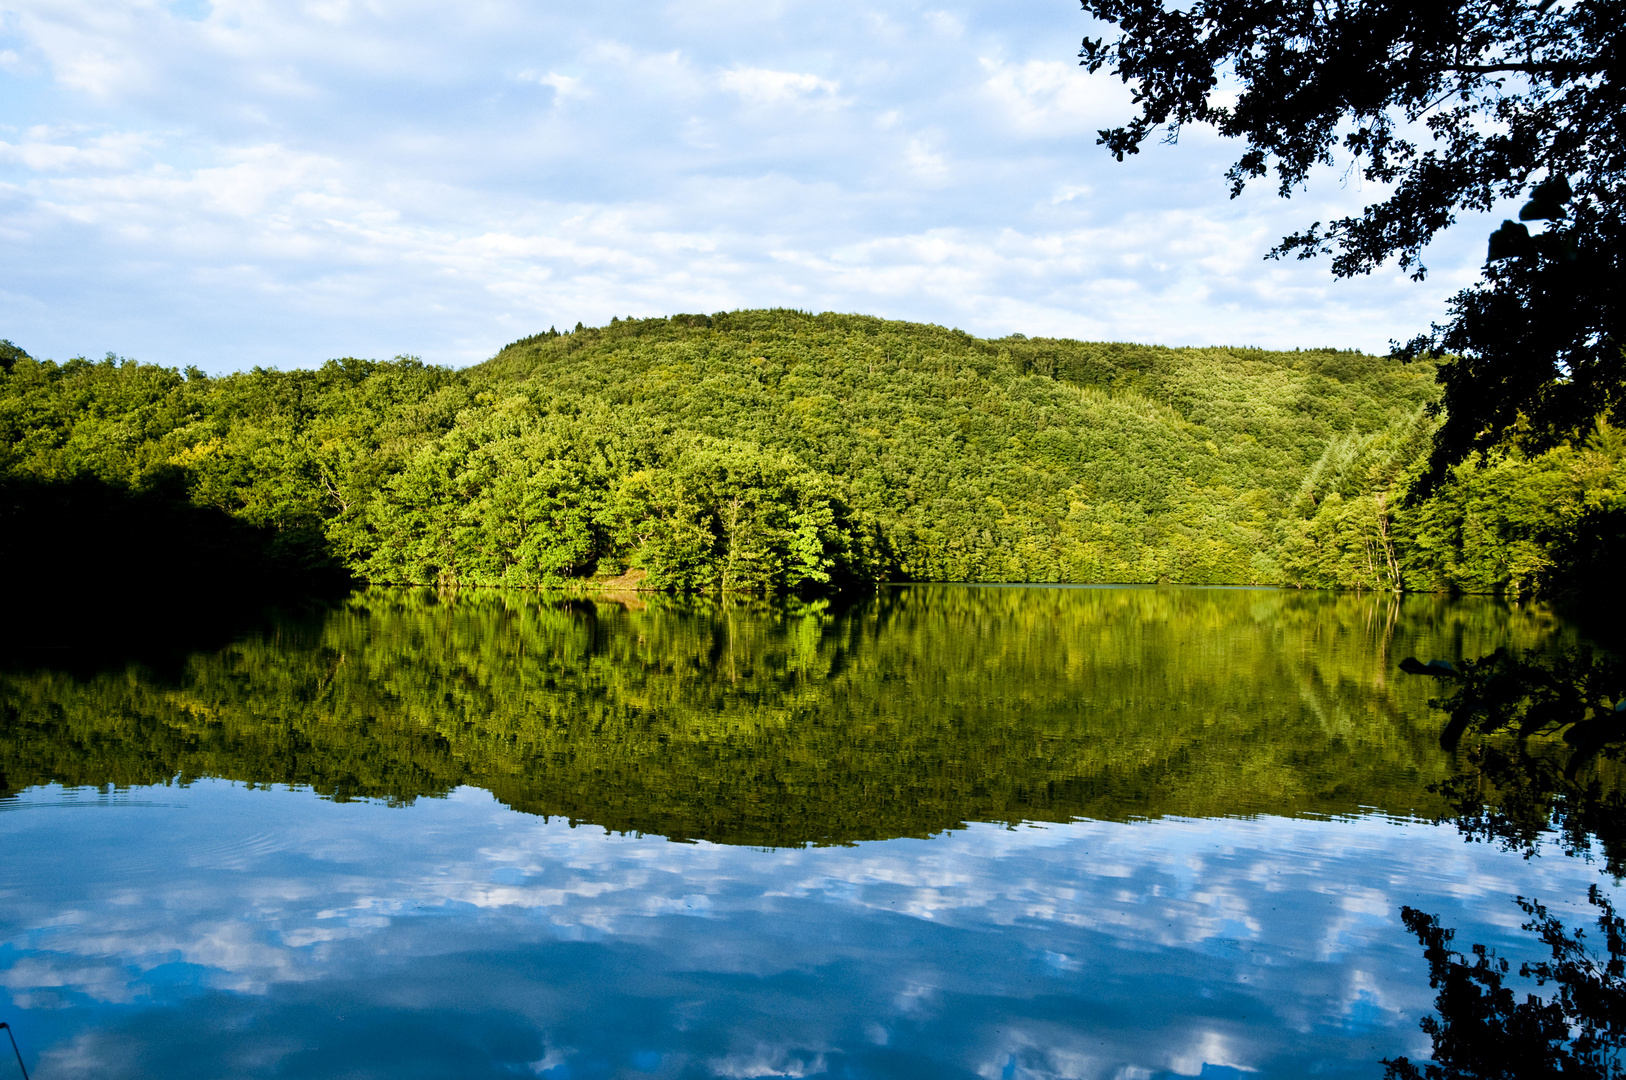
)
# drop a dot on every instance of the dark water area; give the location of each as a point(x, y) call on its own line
point(943, 831)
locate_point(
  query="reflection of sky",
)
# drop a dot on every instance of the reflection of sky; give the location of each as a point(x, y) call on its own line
point(212, 931)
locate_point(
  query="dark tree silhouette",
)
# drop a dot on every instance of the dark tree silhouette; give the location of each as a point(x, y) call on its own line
point(1576, 1030)
point(1518, 783)
point(1513, 791)
point(1515, 97)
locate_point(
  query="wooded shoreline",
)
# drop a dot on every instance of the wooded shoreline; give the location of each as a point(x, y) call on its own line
point(774, 452)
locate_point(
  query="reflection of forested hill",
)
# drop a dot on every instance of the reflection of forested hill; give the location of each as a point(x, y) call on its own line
point(903, 715)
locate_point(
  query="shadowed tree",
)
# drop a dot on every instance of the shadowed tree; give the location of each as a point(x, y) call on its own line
point(1449, 106)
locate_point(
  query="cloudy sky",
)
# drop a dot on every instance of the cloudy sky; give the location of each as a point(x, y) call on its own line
point(237, 182)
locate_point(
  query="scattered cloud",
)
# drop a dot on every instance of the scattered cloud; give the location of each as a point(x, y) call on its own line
point(945, 23)
point(45, 153)
point(762, 86)
point(563, 85)
point(240, 182)
point(1054, 97)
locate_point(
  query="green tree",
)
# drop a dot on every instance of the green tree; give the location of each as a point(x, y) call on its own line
point(776, 451)
point(1517, 98)
point(10, 354)
point(731, 517)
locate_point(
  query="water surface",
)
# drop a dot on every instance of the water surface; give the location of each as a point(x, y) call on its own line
point(947, 831)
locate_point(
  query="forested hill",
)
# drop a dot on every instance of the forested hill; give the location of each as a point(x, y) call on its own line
point(775, 450)
point(961, 459)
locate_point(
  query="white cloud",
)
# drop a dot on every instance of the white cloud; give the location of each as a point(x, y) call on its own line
point(563, 85)
point(1054, 97)
point(926, 160)
point(248, 182)
point(762, 86)
point(946, 23)
point(95, 154)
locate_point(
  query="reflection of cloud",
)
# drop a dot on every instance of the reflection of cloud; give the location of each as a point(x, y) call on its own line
point(37, 981)
point(763, 1061)
point(1084, 950)
point(1208, 1048)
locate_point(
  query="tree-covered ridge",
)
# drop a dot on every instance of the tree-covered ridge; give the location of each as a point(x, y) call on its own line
point(767, 724)
point(776, 451)
point(1003, 460)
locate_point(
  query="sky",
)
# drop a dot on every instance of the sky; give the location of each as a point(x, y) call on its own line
point(230, 183)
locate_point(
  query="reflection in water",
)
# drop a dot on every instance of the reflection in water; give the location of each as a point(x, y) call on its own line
point(1575, 1030)
point(221, 932)
point(917, 711)
point(1518, 784)
point(1571, 693)
point(1519, 796)
point(1251, 774)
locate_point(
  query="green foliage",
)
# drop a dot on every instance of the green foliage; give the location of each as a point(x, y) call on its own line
point(1514, 97)
point(1505, 523)
point(951, 458)
point(10, 354)
point(794, 722)
point(729, 516)
point(775, 451)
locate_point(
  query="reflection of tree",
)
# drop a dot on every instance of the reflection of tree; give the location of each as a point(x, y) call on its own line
point(1574, 693)
point(1518, 783)
point(1550, 754)
point(1578, 1030)
point(98, 568)
point(1513, 796)
point(786, 724)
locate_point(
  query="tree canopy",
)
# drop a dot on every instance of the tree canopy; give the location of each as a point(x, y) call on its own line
point(774, 452)
point(1448, 106)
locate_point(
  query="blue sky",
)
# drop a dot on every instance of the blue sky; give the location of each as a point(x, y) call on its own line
point(242, 182)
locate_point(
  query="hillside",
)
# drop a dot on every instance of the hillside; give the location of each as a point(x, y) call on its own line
point(1008, 460)
point(773, 451)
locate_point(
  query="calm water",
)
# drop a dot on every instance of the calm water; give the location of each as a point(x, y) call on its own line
point(996, 832)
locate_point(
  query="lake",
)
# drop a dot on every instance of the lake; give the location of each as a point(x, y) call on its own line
point(944, 831)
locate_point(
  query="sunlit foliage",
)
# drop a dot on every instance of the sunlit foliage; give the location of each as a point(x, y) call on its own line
point(775, 451)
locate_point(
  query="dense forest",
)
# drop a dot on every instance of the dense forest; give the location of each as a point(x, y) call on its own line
point(775, 452)
point(738, 721)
